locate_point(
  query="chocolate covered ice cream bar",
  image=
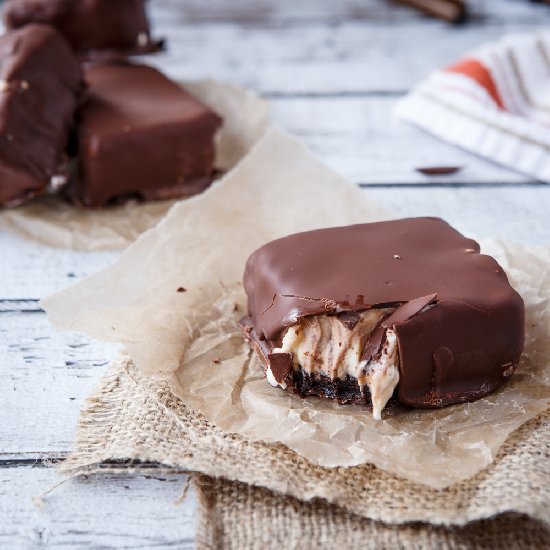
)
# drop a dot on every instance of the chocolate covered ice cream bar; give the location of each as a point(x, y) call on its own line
point(405, 310)
point(40, 84)
point(90, 25)
point(140, 135)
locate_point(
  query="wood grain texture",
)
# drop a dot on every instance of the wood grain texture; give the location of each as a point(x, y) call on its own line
point(329, 49)
point(347, 58)
point(360, 138)
point(45, 376)
point(518, 213)
point(30, 270)
point(310, 12)
point(100, 511)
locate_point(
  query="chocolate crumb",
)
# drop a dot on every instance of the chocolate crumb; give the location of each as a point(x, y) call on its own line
point(181, 289)
point(142, 39)
point(217, 361)
point(439, 170)
point(349, 319)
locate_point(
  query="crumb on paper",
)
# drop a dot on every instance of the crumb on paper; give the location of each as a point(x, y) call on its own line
point(142, 39)
point(439, 170)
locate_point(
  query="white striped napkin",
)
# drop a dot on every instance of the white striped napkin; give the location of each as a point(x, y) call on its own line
point(495, 102)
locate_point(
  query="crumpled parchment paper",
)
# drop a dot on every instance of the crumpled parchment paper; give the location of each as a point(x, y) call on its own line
point(52, 221)
point(174, 298)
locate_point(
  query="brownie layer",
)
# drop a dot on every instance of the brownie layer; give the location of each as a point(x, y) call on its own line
point(140, 135)
point(343, 390)
point(40, 85)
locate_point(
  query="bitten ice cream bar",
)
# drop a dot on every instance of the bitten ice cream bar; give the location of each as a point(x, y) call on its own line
point(405, 310)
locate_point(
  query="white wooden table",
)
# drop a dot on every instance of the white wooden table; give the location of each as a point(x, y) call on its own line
point(333, 71)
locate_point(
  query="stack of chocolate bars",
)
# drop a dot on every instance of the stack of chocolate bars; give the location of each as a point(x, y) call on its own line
point(77, 117)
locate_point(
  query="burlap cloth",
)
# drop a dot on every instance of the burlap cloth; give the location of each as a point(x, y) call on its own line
point(236, 516)
point(132, 417)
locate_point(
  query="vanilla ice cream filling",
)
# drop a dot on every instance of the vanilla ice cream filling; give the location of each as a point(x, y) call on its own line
point(381, 374)
point(326, 344)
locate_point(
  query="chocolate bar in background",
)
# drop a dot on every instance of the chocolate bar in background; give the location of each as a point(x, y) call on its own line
point(354, 313)
point(140, 135)
point(453, 11)
point(40, 85)
point(91, 26)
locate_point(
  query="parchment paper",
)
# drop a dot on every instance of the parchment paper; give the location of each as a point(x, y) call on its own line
point(51, 220)
point(191, 338)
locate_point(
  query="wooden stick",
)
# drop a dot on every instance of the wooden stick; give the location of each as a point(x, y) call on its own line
point(453, 11)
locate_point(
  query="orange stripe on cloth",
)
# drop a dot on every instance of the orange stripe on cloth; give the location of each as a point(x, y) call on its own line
point(473, 69)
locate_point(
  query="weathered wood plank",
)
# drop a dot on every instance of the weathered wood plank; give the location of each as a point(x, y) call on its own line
point(102, 511)
point(515, 214)
point(360, 138)
point(45, 376)
point(518, 213)
point(311, 11)
point(30, 270)
point(351, 56)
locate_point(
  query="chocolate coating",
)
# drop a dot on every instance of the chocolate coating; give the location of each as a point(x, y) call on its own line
point(40, 84)
point(460, 347)
point(140, 135)
point(88, 25)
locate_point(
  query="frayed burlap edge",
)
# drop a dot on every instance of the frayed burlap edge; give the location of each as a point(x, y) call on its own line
point(133, 418)
point(233, 515)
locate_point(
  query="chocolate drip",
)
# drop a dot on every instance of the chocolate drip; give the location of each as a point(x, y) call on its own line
point(443, 359)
